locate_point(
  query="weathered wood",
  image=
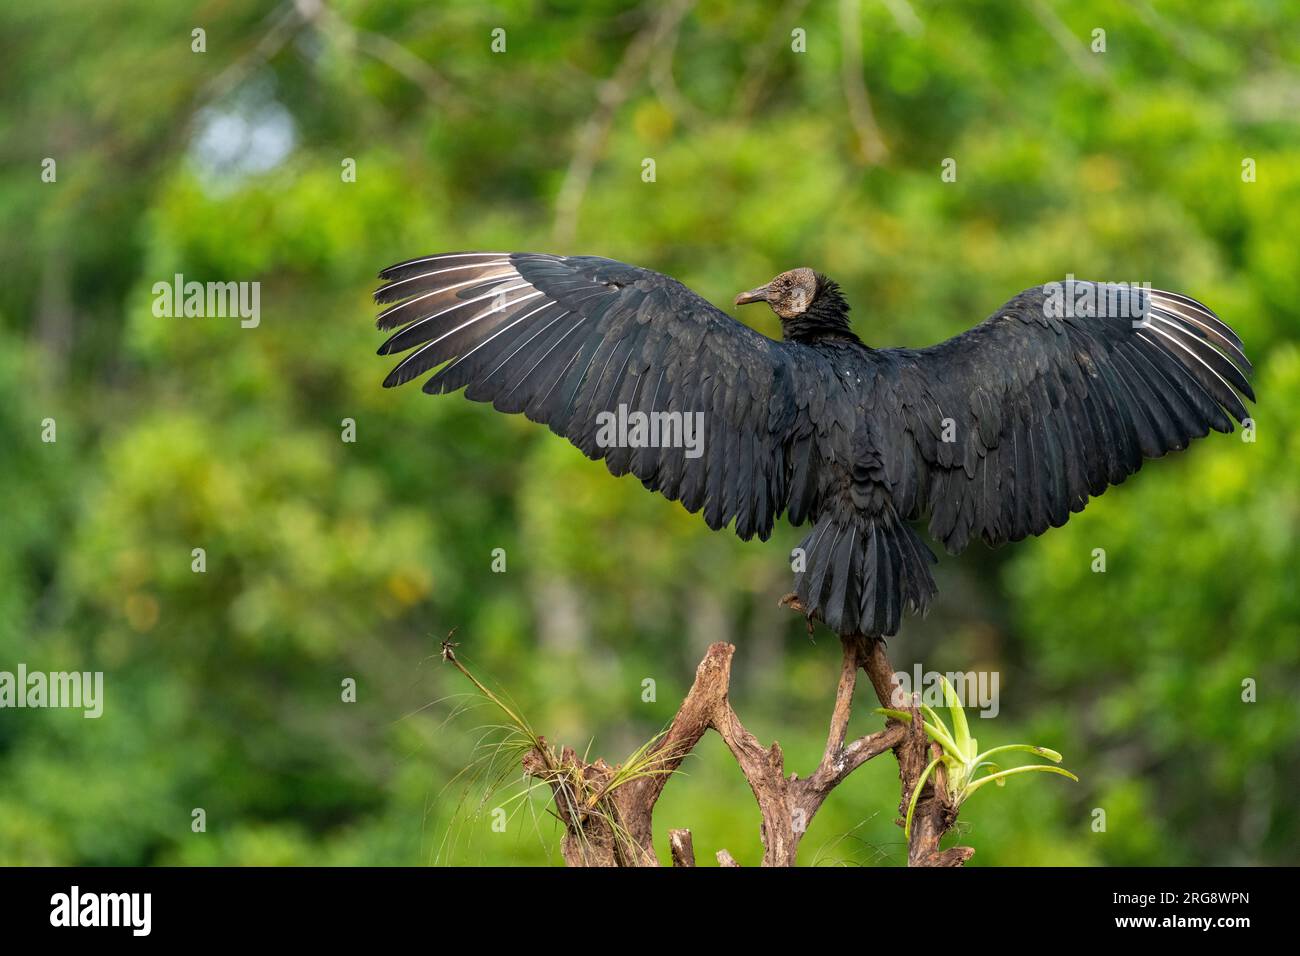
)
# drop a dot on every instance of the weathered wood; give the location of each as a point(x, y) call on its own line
point(681, 847)
point(614, 826)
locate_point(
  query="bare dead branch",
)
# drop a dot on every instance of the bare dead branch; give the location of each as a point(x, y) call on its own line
point(934, 815)
point(1074, 50)
point(762, 56)
point(905, 16)
point(608, 811)
point(681, 847)
point(871, 145)
point(665, 84)
point(612, 94)
point(281, 24)
point(379, 47)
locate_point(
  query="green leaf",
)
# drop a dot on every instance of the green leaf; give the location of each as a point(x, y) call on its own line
point(916, 792)
point(938, 732)
point(1002, 775)
point(1051, 755)
point(960, 729)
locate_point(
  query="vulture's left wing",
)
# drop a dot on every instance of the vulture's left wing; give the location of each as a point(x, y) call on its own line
point(598, 349)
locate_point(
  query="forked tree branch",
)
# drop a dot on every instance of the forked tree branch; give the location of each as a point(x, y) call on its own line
point(608, 812)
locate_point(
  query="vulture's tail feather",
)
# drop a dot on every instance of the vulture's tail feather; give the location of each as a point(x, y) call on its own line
point(859, 575)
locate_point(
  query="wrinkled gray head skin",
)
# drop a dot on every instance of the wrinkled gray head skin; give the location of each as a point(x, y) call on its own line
point(789, 294)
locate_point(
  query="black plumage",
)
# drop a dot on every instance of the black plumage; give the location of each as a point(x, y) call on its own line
point(997, 433)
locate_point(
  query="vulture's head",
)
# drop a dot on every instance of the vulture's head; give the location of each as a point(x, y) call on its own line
point(789, 294)
point(806, 302)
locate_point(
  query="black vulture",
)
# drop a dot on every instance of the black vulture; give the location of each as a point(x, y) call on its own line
point(997, 433)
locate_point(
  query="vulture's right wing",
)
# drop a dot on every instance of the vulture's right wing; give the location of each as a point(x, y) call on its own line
point(1004, 430)
point(598, 349)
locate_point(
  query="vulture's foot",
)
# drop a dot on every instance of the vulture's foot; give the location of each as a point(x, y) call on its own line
point(792, 601)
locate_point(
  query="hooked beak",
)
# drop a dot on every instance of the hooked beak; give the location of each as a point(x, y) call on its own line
point(753, 295)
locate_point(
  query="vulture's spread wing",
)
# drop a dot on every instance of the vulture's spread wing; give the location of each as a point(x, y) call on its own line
point(1041, 411)
point(596, 349)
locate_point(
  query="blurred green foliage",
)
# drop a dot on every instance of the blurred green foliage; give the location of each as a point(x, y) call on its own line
point(329, 560)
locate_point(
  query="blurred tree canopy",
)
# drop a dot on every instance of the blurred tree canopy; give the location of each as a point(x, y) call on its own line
point(1169, 155)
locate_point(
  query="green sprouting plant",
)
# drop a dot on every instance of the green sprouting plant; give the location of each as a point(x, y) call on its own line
point(577, 794)
point(961, 757)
